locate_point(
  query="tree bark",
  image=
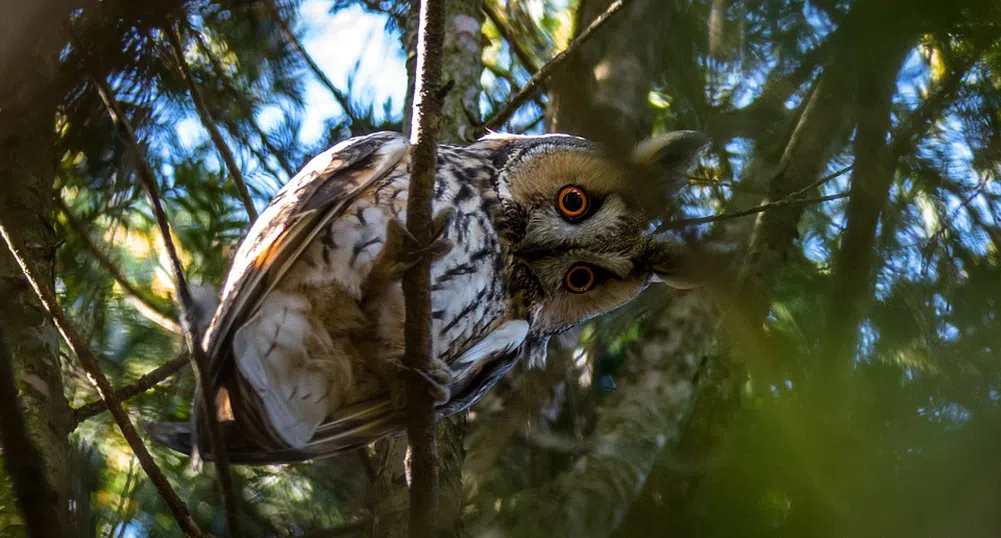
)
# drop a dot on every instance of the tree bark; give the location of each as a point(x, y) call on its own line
point(601, 92)
point(643, 416)
point(462, 64)
point(29, 94)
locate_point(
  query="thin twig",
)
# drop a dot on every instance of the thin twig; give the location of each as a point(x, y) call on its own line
point(426, 119)
point(23, 462)
point(292, 40)
point(151, 310)
point(820, 182)
point(206, 118)
point(787, 202)
point(141, 385)
point(535, 83)
point(79, 347)
point(192, 334)
point(933, 242)
point(508, 35)
point(123, 498)
point(791, 200)
point(241, 100)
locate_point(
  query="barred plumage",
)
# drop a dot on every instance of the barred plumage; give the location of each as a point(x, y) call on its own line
point(537, 234)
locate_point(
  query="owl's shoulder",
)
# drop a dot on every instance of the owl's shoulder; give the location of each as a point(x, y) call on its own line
point(322, 188)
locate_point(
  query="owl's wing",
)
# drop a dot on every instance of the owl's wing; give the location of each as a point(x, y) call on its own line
point(475, 372)
point(284, 229)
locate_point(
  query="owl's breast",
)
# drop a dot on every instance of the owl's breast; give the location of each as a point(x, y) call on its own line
point(467, 283)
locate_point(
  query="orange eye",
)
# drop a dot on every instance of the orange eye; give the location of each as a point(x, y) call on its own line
point(579, 279)
point(572, 201)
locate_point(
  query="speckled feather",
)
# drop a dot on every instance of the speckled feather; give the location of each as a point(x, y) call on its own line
point(307, 338)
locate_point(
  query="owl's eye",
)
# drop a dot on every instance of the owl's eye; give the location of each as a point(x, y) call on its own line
point(572, 202)
point(580, 278)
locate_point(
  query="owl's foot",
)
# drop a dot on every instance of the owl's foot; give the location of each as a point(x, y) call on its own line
point(403, 250)
point(437, 378)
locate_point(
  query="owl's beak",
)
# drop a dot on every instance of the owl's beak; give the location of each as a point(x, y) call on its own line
point(665, 262)
point(674, 281)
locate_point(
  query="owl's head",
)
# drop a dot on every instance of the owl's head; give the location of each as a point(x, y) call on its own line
point(578, 241)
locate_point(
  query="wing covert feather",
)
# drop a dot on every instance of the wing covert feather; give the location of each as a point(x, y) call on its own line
point(319, 192)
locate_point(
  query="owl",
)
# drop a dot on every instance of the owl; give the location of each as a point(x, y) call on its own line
point(534, 235)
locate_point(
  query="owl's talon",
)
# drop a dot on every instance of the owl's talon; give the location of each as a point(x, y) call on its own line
point(400, 251)
point(437, 379)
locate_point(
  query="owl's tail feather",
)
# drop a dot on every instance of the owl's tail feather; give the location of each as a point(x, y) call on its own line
point(357, 425)
point(350, 428)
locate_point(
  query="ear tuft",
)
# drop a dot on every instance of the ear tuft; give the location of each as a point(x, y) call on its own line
point(673, 153)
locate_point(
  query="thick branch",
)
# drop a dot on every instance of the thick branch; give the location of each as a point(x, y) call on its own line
point(428, 97)
point(79, 347)
point(141, 385)
point(22, 460)
point(203, 114)
point(640, 419)
point(535, 83)
point(150, 309)
point(854, 262)
point(192, 334)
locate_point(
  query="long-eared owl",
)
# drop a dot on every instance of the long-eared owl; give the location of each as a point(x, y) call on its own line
point(535, 234)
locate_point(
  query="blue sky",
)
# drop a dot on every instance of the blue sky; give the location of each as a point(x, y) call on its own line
point(336, 43)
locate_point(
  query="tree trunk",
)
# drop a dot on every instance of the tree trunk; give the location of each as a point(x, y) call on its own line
point(642, 416)
point(29, 43)
point(462, 64)
point(601, 92)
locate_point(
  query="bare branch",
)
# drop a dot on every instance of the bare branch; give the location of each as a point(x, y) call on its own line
point(426, 119)
point(640, 419)
point(192, 334)
point(22, 460)
point(146, 306)
point(209, 123)
point(791, 200)
point(79, 347)
point(141, 385)
point(535, 83)
point(787, 202)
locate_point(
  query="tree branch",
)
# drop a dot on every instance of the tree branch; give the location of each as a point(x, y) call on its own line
point(148, 308)
point(139, 386)
point(203, 114)
point(505, 31)
point(641, 418)
point(23, 462)
point(79, 347)
point(791, 200)
point(192, 334)
point(241, 100)
point(292, 40)
point(535, 83)
point(426, 118)
point(788, 202)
